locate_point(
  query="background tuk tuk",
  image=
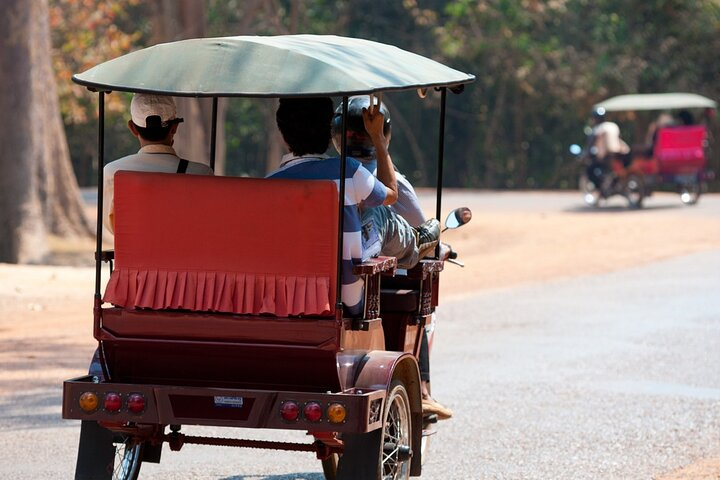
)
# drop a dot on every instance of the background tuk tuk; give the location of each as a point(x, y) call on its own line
point(672, 151)
point(261, 340)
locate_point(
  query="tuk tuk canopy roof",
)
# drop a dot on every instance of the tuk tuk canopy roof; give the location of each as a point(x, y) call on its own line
point(270, 66)
point(655, 101)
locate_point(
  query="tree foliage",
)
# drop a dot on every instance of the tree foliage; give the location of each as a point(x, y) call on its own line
point(540, 66)
point(85, 33)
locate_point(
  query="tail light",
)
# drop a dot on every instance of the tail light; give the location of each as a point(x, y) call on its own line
point(136, 403)
point(113, 402)
point(290, 411)
point(313, 411)
point(336, 413)
point(88, 402)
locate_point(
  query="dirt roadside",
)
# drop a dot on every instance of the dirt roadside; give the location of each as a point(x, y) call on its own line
point(46, 309)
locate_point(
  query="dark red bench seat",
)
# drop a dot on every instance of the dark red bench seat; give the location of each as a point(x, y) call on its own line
point(221, 244)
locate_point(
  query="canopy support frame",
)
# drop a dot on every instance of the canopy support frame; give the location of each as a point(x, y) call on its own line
point(341, 211)
point(441, 160)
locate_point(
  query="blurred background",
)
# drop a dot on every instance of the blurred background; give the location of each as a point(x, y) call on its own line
point(540, 67)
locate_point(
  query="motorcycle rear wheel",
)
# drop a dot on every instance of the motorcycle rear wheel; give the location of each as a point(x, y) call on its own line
point(634, 191)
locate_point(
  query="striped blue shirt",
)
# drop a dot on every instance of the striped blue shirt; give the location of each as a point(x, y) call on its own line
point(361, 188)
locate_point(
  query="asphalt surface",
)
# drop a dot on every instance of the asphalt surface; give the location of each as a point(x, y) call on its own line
point(611, 376)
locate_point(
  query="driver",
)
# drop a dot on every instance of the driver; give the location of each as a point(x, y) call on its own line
point(606, 147)
point(359, 145)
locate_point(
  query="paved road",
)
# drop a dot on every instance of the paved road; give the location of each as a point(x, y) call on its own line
point(612, 376)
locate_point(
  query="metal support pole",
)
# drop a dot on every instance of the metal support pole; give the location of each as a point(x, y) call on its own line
point(341, 213)
point(441, 158)
point(100, 180)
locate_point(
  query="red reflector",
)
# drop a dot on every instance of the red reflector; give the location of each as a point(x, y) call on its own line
point(313, 411)
point(136, 403)
point(289, 411)
point(113, 402)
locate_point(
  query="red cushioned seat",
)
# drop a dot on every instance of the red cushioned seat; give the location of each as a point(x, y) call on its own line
point(224, 244)
point(681, 149)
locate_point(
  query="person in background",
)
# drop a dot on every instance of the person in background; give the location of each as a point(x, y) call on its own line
point(607, 144)
point(154, 122)
point(606, 147)
point(686, 118)
point(663, 120)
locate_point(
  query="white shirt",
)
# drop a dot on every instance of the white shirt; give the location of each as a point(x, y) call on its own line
point(150, 158)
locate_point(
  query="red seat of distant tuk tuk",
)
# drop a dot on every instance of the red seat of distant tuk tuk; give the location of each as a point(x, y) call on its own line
point(224, 244)
point(680, 149)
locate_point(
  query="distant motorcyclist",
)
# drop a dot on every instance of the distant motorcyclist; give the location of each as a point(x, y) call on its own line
point(605, 147)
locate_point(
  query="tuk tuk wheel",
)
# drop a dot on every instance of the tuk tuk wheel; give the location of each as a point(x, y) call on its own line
point(385, 453)
point(690, 194)
point(104, 455)
point(128, 459)
point(330, 466)
point(634, 191)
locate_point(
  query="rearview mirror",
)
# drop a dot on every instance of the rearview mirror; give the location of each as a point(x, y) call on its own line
point(575, 149)
point(459, 216)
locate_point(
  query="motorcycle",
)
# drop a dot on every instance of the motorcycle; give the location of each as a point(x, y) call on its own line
point(600, 181)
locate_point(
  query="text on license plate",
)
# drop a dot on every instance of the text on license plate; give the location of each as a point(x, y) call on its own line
point(228, 402)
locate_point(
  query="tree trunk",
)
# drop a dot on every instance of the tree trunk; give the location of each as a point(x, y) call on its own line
point(38, 189)
point(177, 20)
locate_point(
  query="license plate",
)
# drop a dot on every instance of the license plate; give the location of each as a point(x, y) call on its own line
point(228, 402)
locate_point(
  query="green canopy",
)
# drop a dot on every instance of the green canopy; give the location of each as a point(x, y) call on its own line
point(289, 65)
point(655, 101)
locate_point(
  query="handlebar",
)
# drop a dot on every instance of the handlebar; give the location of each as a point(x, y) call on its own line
point(452, 257)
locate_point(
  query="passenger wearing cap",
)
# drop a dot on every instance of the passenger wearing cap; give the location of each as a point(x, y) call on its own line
point(154, 122)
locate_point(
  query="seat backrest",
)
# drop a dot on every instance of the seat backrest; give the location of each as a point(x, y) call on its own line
point(680, 145)
point(224, 244)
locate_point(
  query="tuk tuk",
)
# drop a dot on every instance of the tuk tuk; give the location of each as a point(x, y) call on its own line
point(206, 320)
point(675, 153)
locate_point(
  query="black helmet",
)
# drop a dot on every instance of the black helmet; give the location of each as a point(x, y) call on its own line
point(358, 141)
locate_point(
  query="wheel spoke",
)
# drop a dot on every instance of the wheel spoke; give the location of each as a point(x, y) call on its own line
point(127, 460)
point(396, 438)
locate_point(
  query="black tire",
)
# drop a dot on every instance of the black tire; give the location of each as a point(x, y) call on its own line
point(102, 455)
point(330, 466)
point(690, 193)
point(128, 459)
point(634, 191)
point(385, 453)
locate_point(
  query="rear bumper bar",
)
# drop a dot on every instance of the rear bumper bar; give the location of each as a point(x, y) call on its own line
point(183, 405)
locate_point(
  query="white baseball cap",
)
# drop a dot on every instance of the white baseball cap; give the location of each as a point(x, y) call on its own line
point(144, 106)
